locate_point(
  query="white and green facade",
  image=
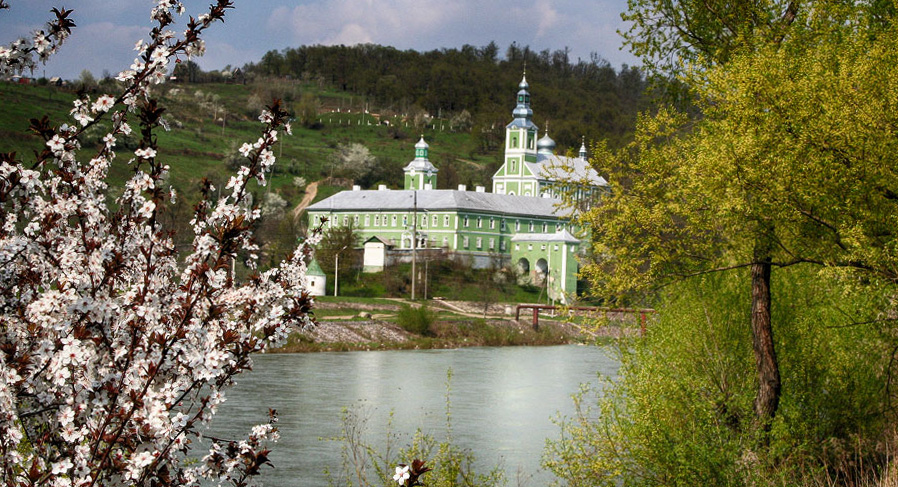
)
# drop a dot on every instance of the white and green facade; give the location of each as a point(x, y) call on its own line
point(524, 224)
point(531, 167)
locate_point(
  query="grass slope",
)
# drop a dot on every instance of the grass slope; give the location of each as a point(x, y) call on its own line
point(210, 121)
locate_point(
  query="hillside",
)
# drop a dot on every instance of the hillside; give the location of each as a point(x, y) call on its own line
point(210, 120)
point(582, 97)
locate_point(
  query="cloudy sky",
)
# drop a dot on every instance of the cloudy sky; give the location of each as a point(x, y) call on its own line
point(108, 29)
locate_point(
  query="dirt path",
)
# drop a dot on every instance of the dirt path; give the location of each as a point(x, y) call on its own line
point(493, 313)
point(311, 192)
point(475, 164)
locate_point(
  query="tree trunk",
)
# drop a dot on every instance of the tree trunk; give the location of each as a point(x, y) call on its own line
point(768, 396)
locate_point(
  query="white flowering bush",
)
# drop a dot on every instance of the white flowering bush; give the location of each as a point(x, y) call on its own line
point(114, 349)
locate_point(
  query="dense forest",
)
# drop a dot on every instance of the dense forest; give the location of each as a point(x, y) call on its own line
point(577, 98)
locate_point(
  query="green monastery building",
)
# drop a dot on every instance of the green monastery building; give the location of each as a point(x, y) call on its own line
point(521, 222)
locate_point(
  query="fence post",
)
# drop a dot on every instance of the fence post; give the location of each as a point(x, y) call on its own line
point(536, 318)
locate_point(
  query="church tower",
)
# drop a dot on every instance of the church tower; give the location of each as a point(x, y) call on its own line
point(520, 148)
point(420, 173)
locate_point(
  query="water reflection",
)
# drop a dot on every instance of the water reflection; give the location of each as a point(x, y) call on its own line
point(502, 402)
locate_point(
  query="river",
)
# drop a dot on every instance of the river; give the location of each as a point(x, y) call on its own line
point(502, 403)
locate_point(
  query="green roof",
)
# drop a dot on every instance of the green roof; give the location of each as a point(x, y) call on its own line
point(314, 269)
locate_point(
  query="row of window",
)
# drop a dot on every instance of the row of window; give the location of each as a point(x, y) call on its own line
point(392, 220)
point(478, 243)
point(541, 247)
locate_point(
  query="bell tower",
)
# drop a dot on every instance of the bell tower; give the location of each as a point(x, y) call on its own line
point(520, 145)
point(420, 173)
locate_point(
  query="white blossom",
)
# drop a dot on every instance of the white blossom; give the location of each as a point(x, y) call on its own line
point(56, 145)
point(109, 329)
point(402, 474)
point(147, 153)
point(103, 104)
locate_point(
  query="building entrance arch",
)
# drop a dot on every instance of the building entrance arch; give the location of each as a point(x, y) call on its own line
point(542, 269)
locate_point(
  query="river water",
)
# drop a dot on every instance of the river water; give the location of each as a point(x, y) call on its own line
point(502, 403)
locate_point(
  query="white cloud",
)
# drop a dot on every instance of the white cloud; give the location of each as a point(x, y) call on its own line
point(352, 34)
point(547, 19)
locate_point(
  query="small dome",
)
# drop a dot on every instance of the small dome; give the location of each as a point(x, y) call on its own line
point(545, 145)
point(421, 144)
point(524, 85)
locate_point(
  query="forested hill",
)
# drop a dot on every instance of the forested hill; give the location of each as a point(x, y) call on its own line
point(583, 98)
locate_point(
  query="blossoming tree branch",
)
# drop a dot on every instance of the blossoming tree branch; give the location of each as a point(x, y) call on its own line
point(114, 350)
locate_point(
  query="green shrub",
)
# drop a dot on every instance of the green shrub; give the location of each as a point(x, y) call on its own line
point(681, 411)
point(417, 320)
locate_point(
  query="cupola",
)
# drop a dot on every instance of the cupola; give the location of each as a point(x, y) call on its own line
point(545, 145)
point(421, 149)
point(522, 110)
point(420, 173)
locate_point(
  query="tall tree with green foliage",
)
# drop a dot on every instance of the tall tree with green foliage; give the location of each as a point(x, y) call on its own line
point(792, 160)
point(338, 247)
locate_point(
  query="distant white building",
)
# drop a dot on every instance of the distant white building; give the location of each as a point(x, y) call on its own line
point(315, 280)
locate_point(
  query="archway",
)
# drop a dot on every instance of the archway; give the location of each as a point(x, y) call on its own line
point(524, 267)
point(542, 269)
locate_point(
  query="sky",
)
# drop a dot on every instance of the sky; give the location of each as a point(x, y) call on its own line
point(107, 30)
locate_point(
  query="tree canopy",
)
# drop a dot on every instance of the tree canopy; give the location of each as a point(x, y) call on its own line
point(791, 160)
point(573, 95)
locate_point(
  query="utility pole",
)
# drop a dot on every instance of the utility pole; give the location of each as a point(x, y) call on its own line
point(426, 262)
point(337, 269)
point(414, 239)
point(336, 273)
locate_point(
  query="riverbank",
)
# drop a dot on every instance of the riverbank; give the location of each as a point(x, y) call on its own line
point(330, 336)
point(373, 324)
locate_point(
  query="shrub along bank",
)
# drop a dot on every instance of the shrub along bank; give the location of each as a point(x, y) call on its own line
point(681, 412)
